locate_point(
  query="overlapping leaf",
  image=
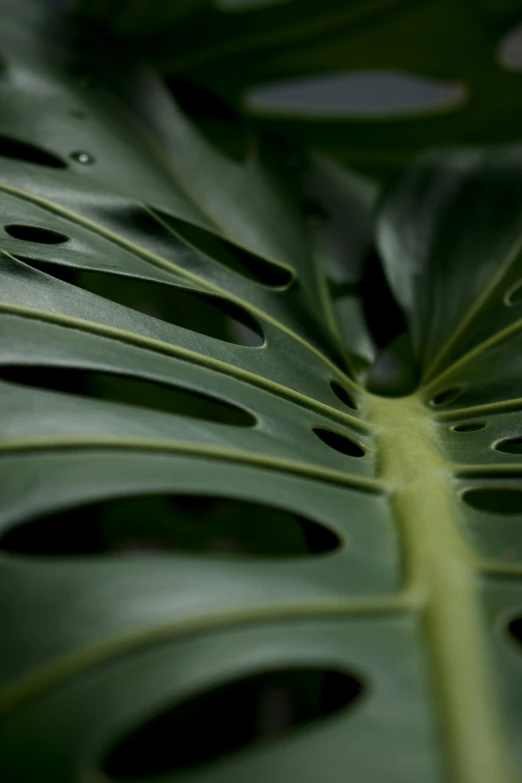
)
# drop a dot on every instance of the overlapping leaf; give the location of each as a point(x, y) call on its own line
point(440, 68)
point(199, 507)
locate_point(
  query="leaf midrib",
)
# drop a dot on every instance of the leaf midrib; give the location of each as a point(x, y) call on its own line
point(438, 562)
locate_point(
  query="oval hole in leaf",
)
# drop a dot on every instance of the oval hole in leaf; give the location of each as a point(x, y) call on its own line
point(204, 313)
point(238, 259)
point(342, 395)
point(19, 150)
point(216, 121)
point(339, 442)
point(510, 446)
point(472, 426)
point(43, 236)
point(254, 710)
point(515, 629)
point(359, 94)
point(193, 524)
point(128, 391)
point(446, 396)
point(509, 51)
point(514, 295)
point(495, 501)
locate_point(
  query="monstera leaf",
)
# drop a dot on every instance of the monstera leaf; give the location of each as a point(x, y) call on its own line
point(369, 82)
point(260, 506)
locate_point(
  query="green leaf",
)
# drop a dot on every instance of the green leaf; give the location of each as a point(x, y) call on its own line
point(450, 240)
point(223, 557)
point(334, 65)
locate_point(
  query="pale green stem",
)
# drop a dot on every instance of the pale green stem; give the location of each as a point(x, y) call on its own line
point(439, 568)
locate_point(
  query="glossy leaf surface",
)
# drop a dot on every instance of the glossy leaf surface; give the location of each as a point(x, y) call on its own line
point(223, 558)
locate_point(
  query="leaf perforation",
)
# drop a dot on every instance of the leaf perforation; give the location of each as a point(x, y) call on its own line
point(159, 261)
point(158, 346)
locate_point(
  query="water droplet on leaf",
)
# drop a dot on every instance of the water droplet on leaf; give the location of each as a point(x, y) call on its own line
point(82, 157)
